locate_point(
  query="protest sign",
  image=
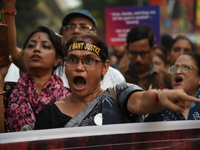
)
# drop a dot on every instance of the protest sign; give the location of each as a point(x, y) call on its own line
point(120, 20)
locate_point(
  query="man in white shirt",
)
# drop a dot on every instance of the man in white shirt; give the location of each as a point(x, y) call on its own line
point(82, 22)
point(76, 22)
point(13, 74)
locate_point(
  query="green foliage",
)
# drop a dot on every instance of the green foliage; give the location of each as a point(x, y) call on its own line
point(26, 18)
point(28, 14)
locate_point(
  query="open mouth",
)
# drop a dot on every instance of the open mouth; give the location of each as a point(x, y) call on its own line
point(79, 82)
point(178, 79)
point(35, 57)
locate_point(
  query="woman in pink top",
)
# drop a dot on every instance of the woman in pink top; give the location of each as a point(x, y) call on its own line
point(41, 54)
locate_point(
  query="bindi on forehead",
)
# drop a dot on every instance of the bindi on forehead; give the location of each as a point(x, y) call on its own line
point(40, 36)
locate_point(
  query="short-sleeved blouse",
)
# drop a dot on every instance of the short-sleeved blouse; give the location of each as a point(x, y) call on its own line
point(113, 111)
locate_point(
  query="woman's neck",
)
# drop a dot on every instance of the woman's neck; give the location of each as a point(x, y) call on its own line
point(73, 104)
point(40, 82)
point(87, 98)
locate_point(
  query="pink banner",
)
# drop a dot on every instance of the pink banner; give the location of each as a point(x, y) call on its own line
point(120, 20)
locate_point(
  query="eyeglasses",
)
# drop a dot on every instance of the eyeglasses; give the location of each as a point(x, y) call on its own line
point(87, 62)
point(133, 54)
point(184, 69)
point(84, 28)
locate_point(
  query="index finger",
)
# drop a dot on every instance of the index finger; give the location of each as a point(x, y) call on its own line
point(185, 97)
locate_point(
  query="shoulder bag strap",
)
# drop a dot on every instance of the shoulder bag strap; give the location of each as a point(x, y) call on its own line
point(75, 121)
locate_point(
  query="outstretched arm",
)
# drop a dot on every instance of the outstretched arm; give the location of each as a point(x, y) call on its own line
point(145, 102)
point(9, 19)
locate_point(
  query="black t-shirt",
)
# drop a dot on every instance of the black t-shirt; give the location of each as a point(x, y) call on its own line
point(55, 118)
point(113, 110)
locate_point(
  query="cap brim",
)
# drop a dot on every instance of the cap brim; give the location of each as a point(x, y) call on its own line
point(70, 15)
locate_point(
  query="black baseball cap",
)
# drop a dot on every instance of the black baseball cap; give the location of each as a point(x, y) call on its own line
point(83, 12)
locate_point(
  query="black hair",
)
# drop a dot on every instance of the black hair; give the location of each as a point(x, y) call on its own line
point(140, 32)
point(163, 49)
point(98, 41)
point(166, 41)
point(163, 58)
point(182, 37)
point(55, 39)
point(195, 57)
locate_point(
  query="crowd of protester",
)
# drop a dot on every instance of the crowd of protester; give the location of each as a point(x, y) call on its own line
point(70, 80)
